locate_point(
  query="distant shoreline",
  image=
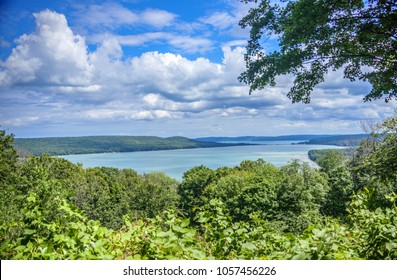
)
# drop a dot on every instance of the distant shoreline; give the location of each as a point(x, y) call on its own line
point(61, 146)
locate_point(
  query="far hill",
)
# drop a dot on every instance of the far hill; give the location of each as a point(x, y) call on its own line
point(262, 138)
point(107, 144)
point(338, 140)
point(312, 139)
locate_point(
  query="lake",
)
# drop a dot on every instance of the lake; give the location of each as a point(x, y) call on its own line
point(175, 162)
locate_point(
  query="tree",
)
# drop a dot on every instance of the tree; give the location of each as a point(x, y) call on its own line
point(375, 164)
point(8, 181)
point(246, 192)
point(8, 156)
point(156, 193)
point(381, 164)
point(315, 36)
point(195, 180)
point(384, 159)
point(302, 192)
point(340, 191)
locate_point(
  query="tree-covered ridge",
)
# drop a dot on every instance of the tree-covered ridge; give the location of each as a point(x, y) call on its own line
point(303, 137)
point(346, 209)
point(338, 140)
point(106, 144)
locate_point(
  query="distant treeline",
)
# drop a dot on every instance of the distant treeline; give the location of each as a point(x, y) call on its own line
point(106, 144)
point(318, 155)
point(262, 138)
point(322, 139)
point(338, 140)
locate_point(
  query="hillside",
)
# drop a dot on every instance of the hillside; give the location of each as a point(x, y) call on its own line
point(310, 139)
point(262, 138)
point(107, 144)
point(337, 140)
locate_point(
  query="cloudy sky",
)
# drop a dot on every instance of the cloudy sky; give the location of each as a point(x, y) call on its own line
point(146, 67)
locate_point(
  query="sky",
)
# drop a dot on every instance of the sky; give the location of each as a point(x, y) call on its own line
point(161, 68)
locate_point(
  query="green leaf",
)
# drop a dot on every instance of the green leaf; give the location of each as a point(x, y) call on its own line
point(391, 246)
point(249, 246)
point(185, 223)
point(29, 231)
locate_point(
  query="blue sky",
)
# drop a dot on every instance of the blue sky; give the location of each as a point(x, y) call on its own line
point(144, 67)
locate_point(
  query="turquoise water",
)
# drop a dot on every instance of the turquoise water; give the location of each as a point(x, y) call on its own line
point(175, 162)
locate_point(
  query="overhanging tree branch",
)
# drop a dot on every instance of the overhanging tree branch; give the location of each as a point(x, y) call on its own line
point(341, 34)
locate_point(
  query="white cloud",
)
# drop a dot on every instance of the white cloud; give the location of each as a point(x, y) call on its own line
point(108, 15)
point(74, 89)
point(157, 18)
point(119, 114)
point(184, 43)
point(111, 15)
point(190, 44)
point(20, 121)
point(227, 20)
point(220, 20)
point(52, 54)
point(173, 75)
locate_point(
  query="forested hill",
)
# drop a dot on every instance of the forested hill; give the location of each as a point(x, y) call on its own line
point(321, 139)
point(338, 140)
point(107, 144)
point(262, 138)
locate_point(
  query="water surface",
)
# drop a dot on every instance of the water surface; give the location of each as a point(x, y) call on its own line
point(175, 162)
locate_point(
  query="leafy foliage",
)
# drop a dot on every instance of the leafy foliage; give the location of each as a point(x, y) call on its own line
point(194, 182)
point(315, 36)
point(71, 236)
point(8, 176)
point(383, 161)
point(377, 229)
point(341, 189)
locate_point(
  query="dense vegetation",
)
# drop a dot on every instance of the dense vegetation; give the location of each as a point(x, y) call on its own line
point(106, 144)
point(346, 209)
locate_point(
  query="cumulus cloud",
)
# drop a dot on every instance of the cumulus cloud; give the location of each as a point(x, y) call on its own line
point(52, 54)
